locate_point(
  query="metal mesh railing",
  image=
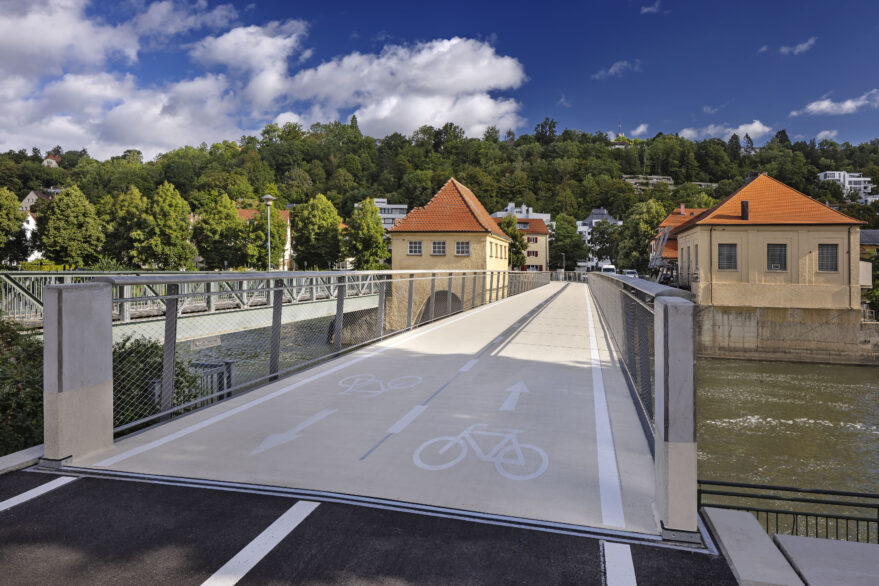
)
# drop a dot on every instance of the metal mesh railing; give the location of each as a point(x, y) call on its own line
point(194, 353)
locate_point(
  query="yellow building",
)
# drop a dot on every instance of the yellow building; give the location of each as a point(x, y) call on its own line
point(452, 232)
point(768, 245)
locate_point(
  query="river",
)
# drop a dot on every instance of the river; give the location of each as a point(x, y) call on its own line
point(790, 424)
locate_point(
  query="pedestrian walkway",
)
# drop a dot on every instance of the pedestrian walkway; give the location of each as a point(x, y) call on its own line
point(513, 410)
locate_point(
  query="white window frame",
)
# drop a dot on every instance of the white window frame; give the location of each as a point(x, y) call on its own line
point(462, 248)
point(415, 247)
point(438, 248)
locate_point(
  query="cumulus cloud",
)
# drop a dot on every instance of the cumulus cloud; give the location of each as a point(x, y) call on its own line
point(710, 109)
point(763, 49)
point(755, 130)
point(563, 101)
point(797, 49)
point(849, 106)
point(169, 17)
point(639, 130)
point(827, 135)
point(651, 9)
point(617, 69)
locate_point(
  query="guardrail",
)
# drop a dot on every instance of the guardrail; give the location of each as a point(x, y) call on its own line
point(828, 514)
point(185, 360)
point(652, 328)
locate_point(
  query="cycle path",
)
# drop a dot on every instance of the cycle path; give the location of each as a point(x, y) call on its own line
point(309, 432)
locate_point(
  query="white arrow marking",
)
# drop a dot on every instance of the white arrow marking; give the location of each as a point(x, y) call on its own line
point(515, 390)
point(277, 439)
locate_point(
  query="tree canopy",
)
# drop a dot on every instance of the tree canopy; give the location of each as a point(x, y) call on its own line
point(518, 244)
point(318, 242)
point(365, 238)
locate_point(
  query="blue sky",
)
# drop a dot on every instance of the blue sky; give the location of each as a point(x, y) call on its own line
point(156, 74)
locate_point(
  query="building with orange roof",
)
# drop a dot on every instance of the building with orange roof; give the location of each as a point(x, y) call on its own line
point(453, 231)
point(664, 246)
point(768, 245)
point(537, 236)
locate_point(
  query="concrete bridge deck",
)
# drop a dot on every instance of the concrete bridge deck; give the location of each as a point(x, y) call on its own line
point(515, 409)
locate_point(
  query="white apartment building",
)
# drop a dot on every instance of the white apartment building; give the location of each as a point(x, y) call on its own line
point(584, 227)
point(851, 182)
point(388, 212)
point(522, 213)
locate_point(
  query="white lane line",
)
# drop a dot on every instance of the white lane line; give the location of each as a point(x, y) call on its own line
point(470, 364)
point(244, 561)
point(241, 408)
point(608, 474)
point(35, 492)
point(276, 439)
point(618, 564)
point(407, 419)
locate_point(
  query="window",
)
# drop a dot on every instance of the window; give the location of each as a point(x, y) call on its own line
point(727, 257)
point(827, 257)
point(696, 256)
point(438, 248)
point(532, 253)
point(462, 249)
point(415, 247)
point(532, 240)
point(776, 257)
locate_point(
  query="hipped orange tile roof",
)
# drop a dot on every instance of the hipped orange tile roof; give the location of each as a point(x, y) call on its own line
point(251, 214)
point(535, 226)
point(675, 218)
point(769, 202)
point(671, 249)
point(454, 208)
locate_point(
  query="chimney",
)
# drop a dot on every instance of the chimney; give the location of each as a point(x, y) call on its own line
point(682, 210)
point(744, 209)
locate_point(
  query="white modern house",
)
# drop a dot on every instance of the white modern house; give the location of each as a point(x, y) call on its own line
point(584, 228)
point(390, 213)
point(851, 183)
point(522, 212)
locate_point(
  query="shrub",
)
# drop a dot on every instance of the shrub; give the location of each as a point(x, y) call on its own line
point(21, 388)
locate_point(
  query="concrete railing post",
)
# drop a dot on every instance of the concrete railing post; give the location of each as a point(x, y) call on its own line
point(77, 370)
point(675, 415)
point(275, 342)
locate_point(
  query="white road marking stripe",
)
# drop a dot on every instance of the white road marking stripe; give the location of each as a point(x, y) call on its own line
point(470, 364)
point(407, 419)
point(225, 415)
point(35, 492)
point(608, 474)
point(244, 561)
point(618, 564)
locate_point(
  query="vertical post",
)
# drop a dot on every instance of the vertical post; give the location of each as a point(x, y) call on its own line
point(490, 286)
point(484, 286)
point(228, 369)
point(77, 370)
point(411, 298)
point(449, 297)
point(210, 299)
point(380, 313)
point(675, 415)
point(125, 306)
point(275, 344)
point(463, 290)
point(473, 295)
point(169, 354)
point(340, 312)
point(432, 296)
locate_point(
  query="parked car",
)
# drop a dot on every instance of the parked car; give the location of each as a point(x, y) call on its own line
point(608, 269)
point(630, 273)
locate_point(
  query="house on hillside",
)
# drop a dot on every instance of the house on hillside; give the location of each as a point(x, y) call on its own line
point(453, 231)
point(31, 198)
point(770, 246)
point(584, 229)
point(523, 212)
point(537, 236)
point(287, 257)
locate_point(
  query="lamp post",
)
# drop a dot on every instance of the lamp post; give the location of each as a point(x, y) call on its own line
point(563, 262)
point(268, 199)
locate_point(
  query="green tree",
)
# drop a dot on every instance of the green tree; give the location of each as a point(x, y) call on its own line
point(218, 234)
point(316, 237)
point(365, 237)
point(166, 232)
point(638, 229)
point(21, 389)
point(604, 241)
point(566, 241)
point(13, 241)
point(518, 244)
point(70, 230)
point(124, 219)
point(257, 252)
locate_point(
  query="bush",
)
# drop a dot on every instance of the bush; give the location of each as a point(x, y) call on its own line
point(21, 388)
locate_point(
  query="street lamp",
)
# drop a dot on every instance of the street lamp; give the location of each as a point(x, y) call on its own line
point(563, 262)
point(268, 199)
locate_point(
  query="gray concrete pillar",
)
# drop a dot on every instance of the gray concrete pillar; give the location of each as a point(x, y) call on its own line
point(675, 415)
point(77, 369)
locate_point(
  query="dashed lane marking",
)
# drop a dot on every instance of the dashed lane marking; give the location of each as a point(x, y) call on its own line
point(619, 569)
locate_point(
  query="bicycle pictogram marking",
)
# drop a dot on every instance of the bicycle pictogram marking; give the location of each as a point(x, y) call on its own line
point(512, 459)
point(367, 384)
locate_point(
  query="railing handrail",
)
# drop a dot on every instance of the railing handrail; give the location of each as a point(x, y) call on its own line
point(643, 286)
point(786, 489)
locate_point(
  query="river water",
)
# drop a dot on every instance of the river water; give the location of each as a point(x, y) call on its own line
point(789, 424)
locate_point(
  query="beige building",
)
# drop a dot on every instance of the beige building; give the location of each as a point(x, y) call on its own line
point(768, 245)
point(452, 232)
point(537, 236)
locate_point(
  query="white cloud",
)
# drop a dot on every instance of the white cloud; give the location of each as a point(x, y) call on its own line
point(711, 109)
point(849, 106)
point(639, 130)
point(170, 17)
point(755, 130)
point(763, 49)
point(563, 101)
point(797, 49)
point(827, 135)
point(617, 69)
point(651, 9)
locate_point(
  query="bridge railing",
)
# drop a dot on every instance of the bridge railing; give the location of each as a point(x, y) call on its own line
point(193, 354)
point(653, 332)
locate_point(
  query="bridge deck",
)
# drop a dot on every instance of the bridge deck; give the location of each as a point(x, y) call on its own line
point(515, 409)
